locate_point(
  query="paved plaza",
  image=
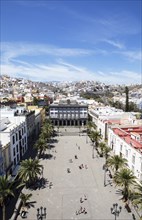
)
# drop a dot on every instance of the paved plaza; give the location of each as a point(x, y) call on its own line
point(62, 199)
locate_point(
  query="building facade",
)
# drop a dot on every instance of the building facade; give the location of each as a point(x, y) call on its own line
point(127, 142)
point(68, 113)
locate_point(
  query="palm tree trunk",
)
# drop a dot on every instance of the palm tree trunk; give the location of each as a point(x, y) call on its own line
point(3, 212)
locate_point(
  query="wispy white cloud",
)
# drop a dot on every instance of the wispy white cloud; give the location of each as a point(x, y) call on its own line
point(132, 55)
point(115, 43)
point(58, 68)
point(64, 71)
point(13, 50)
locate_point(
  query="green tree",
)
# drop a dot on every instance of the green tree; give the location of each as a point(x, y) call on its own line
point(29, 170)
point(41, 146)
point(35, 101)
point(137, 195)
point(127, 99)
point(125, 178)
point(105, 150)
point(91, 126)
point(102, 147)
point(95, 137)
point(6, 189)
point(116, 162)
point(25, 198)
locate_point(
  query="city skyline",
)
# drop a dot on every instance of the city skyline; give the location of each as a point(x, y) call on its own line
point(70, 41)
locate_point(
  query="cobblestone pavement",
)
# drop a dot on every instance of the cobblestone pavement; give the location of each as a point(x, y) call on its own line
point(62, 199)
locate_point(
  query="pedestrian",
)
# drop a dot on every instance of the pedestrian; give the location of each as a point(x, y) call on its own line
point(81, 201)
point(84, 211)
point(77, 213)
point(85, 198)
point(78, 148)
point(80, 210)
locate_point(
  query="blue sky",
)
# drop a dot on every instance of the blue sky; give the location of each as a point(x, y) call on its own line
point(72, 40)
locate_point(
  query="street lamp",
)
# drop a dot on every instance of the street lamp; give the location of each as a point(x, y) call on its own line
point(105, 170)
point(115, 210)
point(86, 138)
point(41, 213)
point(93, 150)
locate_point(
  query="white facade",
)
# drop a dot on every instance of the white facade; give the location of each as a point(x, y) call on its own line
point(103, 117)
point(120, 147)
point(14, 133)
point(18, 142)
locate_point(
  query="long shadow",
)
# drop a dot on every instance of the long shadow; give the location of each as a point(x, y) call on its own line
point(51, 146)
point(39, 184)
point(11, 201)
point(53, 141)
point(46, 156)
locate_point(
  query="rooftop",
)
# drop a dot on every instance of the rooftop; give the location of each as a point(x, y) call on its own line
point(128, 135)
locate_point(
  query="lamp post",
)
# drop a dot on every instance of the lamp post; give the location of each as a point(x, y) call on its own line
point(58, 130)
point(105, 170)
point(93, 150)
point(41, 213)
point(115, 210)
point(86, 138)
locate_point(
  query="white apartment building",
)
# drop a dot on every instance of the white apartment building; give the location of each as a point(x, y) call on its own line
point(15, 133)
point(128, 143)
point(104, 117)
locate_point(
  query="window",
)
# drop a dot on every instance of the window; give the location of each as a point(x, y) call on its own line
point(17, 148)
point(16, 137)
point(17, 158)
point(13, 139)
point(14, 151)
point(126, 153)
point(133, 159)
point(133, 168)
point(14, 161)
point(121, 146)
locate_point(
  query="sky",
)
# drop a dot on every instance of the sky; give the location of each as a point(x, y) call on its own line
point(74, 40)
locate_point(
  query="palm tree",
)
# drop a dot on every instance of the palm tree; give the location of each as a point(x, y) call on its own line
point(90, 125)
point(41, 146)
point(116, 162)
point(25, 198)
point(106, 152)
point(29, 170)
point(102, 147)
point(137, 195)
point(6, 189)
point(125, 178)
point(95, 136)
point(47, 129)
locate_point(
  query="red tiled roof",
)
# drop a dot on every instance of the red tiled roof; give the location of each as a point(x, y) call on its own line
point(127, 138)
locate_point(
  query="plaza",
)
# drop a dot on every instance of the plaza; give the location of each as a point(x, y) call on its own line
point(63, 190)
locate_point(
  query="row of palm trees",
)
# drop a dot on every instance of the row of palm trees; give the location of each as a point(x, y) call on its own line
point(30, 170)
point(122, 175)
point(42, 143)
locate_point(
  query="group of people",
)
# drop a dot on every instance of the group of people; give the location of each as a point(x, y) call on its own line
point(83, 166)
point(50, 185)
point(82, 210)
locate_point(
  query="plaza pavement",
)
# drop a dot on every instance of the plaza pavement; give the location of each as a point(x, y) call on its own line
point(62, 200)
